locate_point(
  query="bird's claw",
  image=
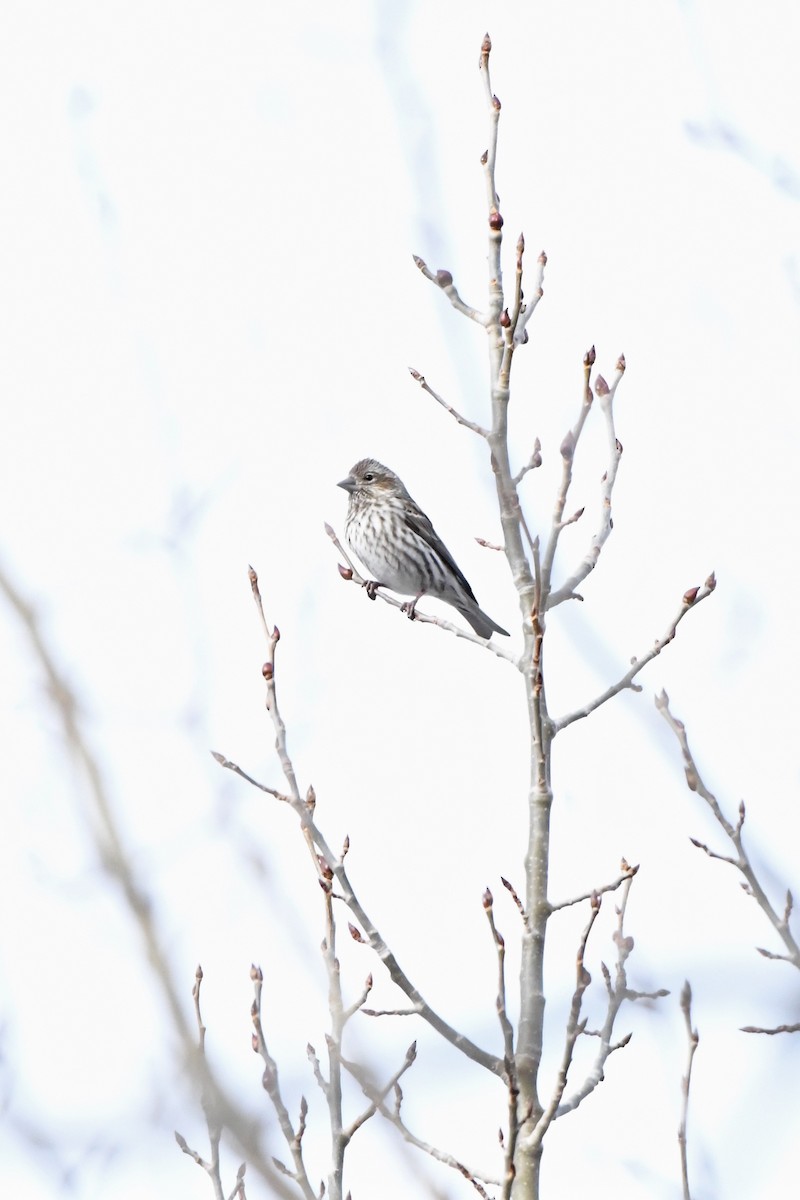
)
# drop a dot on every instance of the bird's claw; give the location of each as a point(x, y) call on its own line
point(371, 586)
point(410, 609)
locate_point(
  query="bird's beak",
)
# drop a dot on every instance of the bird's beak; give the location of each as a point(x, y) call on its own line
point(348, 484)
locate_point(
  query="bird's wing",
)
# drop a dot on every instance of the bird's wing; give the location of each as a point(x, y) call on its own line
point(419, 524)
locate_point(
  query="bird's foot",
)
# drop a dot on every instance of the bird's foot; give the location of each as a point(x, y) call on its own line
point(371, 586)
point(410, 608)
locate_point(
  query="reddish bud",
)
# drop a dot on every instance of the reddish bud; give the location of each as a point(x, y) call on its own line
point(486, 46)
point(355, 934)
point(589, 357)
point(368, 984)
point(198, 973)
point(416, 375)
point(488, 899)
point(254, 1010)
point(505, 319)
point(324, 869)
point(520, 245)
point(496, 105)
point(542, 259)
point(420, 262)
point(345, 572)
point(711, 582)
point(256, 974)
point(444, 279)
point(621, 364)
point(568, 446)
point(268, 671)
point(618, 444)
point(276, 634)
point(252, 576)
point(601, 387)
point(690, 596)
point(254, 1042)
point(311, 797)
point(345, 845)
point(484, 158)
point(495, 221)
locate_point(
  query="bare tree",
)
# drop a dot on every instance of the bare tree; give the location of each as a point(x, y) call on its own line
point(534, 1100)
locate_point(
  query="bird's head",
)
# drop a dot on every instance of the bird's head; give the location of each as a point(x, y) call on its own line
point(370, 478)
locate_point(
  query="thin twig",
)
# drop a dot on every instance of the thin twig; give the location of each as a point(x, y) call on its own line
point(393, 1116)
point(569, 446)
point(271, 1084)
point(444, 281)
point(575, 1028)
point(690, 600)
point(507, 1031)
point(693, 1038)
point(377, 1099)
point(533, 462)
point(617, 992)
point(423, 383)
point(605, 395)
point(626, 873)
point(734, 833)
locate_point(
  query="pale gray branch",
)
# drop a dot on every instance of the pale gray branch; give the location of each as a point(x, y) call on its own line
point(693, 1038)
point(617, 992)
point(568, 447)
point(734, 833)
point(392, 1115)
point(627, 872)
point(423, 383)
point(444, 281)
point(605, 395)
point(690, 600)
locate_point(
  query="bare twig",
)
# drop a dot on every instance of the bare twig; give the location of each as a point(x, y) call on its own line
point(690, 600)
point(393, 1116)
point(444, 280)
point(617, 992)
point(568, 447)
point(533, 462)
point(575, 1028)
point(734, 833)
point(605, 395)
point(377, 1098)
point(271, 1084)
point(776, 1029)
point(693, 1038)
point(426, 387)
point(626, 872)
point(527, 310)
point(507, 1030)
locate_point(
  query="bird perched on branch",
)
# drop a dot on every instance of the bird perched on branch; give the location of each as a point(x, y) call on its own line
point(397, 543)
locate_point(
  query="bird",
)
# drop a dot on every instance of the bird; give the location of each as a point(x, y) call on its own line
point(397, 543)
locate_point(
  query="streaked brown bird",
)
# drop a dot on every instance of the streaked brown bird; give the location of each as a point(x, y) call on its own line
point(398, 545)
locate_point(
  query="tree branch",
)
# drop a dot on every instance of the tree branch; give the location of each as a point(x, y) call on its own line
point(420, 379)
point(690, 600)
point(734, 833)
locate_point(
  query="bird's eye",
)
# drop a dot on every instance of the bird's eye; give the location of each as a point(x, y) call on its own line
point(368, 478)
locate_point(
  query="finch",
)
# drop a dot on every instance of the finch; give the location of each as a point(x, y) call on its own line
point(398, 545)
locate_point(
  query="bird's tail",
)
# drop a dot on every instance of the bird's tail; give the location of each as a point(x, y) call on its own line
point(483, 624)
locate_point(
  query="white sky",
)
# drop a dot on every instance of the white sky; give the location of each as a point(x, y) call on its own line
point(207, 310)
